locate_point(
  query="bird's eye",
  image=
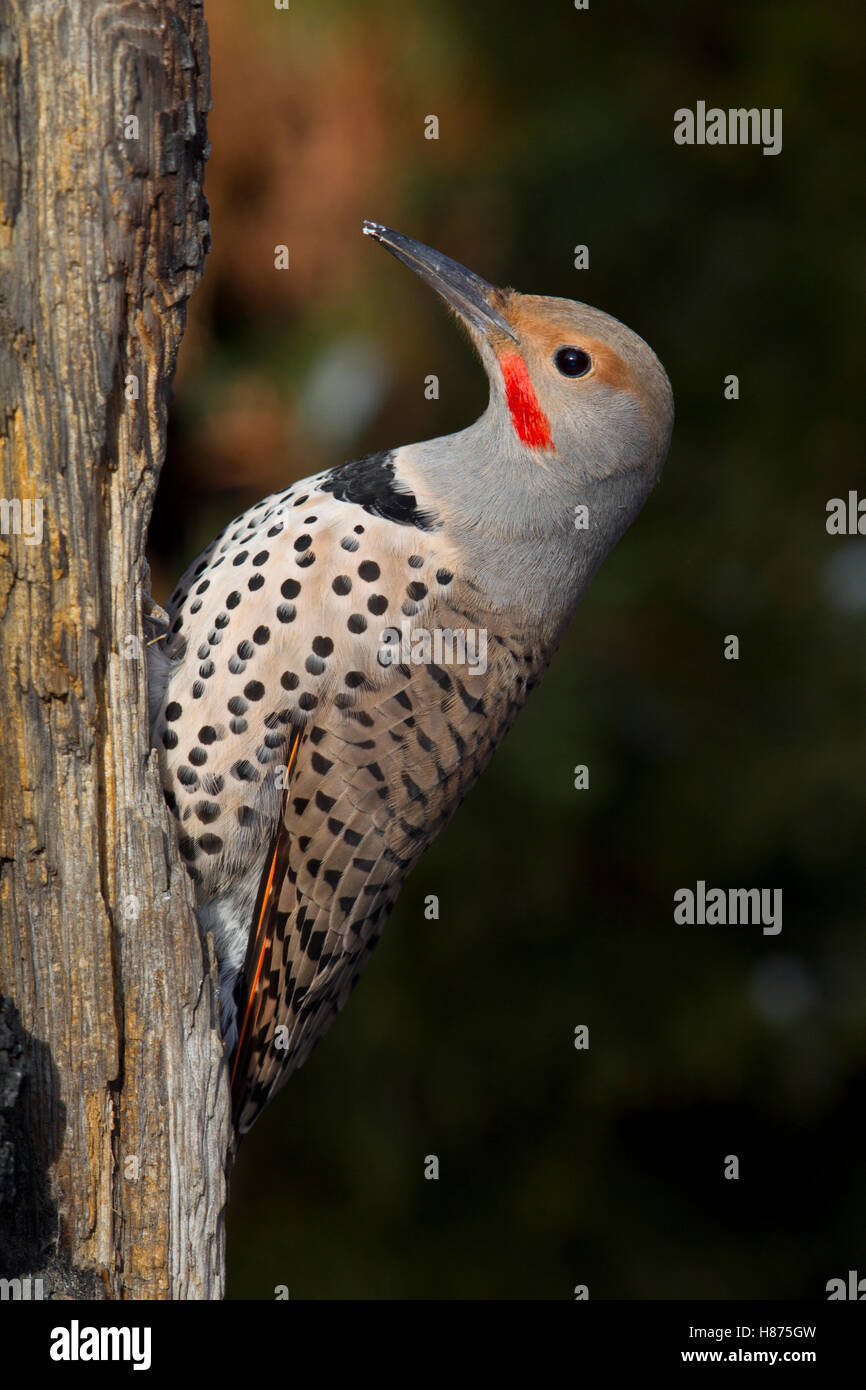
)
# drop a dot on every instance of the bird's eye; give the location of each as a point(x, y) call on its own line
point(572, 361)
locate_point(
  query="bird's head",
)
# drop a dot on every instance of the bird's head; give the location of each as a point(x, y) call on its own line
point(570, 384)
point(579, 419)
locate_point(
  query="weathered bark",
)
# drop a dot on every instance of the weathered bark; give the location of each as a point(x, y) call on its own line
point(114, 1108)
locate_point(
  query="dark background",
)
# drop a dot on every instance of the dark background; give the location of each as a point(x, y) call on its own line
point(561, 1167)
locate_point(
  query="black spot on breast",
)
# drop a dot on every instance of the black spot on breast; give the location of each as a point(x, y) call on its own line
point(370, 483)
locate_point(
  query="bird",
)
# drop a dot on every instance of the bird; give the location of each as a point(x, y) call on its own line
point(337, 667)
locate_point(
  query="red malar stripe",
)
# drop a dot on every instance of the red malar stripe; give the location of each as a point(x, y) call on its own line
point(529, 420)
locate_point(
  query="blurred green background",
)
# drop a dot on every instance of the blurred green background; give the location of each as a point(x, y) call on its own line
point(561, 1167)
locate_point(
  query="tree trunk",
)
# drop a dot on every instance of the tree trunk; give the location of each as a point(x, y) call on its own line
point(114, 1118)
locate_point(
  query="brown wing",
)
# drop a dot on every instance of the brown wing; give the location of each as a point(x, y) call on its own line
point(370, 788)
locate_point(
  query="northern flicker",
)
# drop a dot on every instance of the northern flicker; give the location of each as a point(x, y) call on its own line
point(319, 702)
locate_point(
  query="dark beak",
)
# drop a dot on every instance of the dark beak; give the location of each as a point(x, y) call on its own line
point(470, 296)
